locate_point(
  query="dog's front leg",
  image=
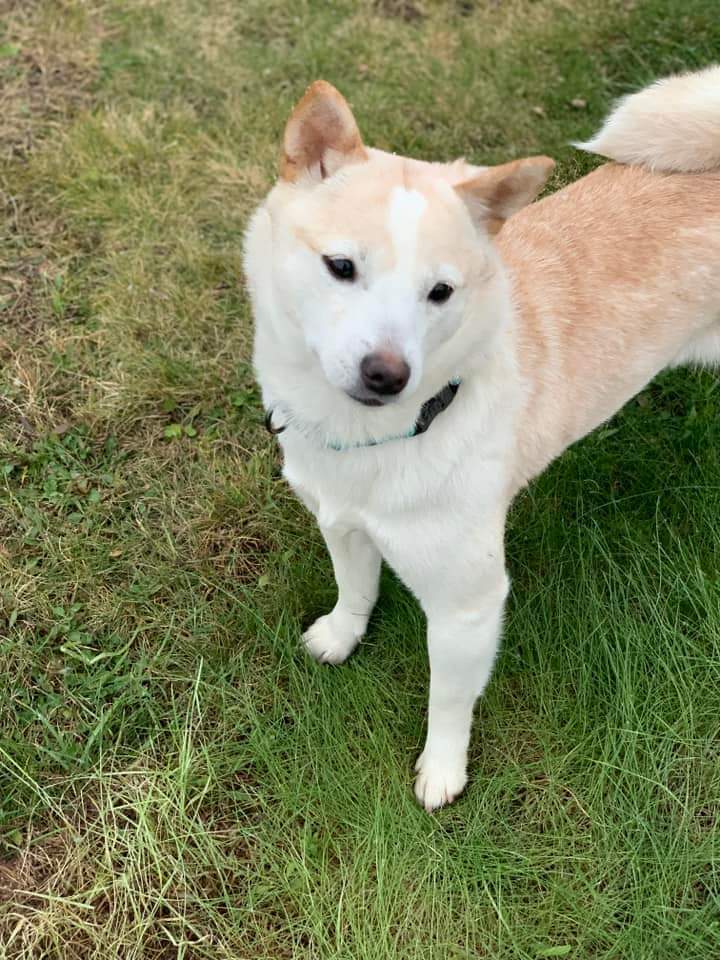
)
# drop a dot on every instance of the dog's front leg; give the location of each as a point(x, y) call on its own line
point(463, 638)
point(356, 564)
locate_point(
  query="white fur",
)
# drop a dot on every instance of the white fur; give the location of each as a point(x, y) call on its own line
point(406, 501)
point(433, 506)
point(405, 210)
point(673, 125)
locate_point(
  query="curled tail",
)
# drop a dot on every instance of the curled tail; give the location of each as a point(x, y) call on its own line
point(672, 125)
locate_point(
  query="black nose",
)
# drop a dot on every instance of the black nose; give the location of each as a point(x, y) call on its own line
point(384, 373)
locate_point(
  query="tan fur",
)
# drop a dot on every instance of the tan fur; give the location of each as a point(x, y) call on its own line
point(496, 193)
point(552, 323)
point(612, 276)
point(361, 199)
point(320, 135)
point(672, 125)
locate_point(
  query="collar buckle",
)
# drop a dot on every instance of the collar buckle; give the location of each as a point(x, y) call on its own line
point(273, 431)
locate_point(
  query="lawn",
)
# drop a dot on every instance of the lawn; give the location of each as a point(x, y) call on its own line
point(177, 779)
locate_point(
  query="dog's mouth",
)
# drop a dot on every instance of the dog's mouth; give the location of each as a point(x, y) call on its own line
point(367, 401)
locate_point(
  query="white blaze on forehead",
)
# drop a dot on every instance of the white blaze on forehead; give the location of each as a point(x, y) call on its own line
point(405, 209)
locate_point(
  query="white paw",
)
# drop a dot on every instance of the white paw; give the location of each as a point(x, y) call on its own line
point(330, 640)
point(439, 780)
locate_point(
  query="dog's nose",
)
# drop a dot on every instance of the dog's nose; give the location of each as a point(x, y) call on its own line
point(384, 372)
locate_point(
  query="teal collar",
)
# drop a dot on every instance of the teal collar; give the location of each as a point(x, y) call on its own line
point(429, 410)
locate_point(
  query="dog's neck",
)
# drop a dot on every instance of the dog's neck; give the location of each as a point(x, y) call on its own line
point(278, 420)
point(294, 386)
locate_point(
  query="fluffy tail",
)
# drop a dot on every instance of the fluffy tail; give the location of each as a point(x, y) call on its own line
point(673, 125)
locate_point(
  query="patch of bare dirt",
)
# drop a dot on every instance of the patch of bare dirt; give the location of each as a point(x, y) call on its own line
point(27, 268)
point(407, 10)
point(34, 871)
point(45, 77)
point(227, 549)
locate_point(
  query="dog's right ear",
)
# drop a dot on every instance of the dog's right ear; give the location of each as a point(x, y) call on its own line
point(321, 135)
point(495, 193)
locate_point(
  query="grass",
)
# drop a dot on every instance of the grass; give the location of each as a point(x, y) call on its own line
point(176, 778)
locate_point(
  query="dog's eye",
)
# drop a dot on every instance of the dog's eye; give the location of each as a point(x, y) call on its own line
point(340, 267)
point(440, 293)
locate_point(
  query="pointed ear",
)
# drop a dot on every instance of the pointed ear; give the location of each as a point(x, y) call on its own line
point(497, 192)
point(321, 135)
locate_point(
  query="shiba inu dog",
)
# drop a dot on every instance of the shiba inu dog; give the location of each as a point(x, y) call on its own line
point(428, 339)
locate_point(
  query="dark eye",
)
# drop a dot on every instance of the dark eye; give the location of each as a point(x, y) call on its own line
point(440, 293)
point(340, 267)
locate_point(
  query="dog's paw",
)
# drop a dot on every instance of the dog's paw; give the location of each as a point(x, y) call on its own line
point(330, 640)
point(439, 780)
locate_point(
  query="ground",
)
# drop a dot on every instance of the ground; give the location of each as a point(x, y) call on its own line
point(177, 779)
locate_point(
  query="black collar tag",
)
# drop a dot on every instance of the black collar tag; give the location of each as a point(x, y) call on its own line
point(435, 405)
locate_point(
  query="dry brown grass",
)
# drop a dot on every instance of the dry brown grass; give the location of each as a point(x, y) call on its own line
point(46, 75)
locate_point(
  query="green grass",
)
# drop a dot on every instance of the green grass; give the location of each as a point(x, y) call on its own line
point(176, 778)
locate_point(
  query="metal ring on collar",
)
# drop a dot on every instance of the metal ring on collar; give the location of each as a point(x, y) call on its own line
point(269, 424)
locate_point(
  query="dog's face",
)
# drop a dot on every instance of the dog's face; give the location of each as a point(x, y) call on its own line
point(379, 260)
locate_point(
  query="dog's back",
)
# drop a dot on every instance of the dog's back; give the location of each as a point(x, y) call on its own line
point(611, 267)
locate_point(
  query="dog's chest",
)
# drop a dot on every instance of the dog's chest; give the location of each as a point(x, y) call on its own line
point(350, 488)
point(386, 489)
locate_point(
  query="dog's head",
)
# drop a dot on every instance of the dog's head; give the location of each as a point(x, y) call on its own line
point(378, 260)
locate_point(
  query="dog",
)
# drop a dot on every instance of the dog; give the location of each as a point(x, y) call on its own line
point(428, 339)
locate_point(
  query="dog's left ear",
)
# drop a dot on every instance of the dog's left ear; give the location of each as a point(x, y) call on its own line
point(496, 193)
point(321, 135)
